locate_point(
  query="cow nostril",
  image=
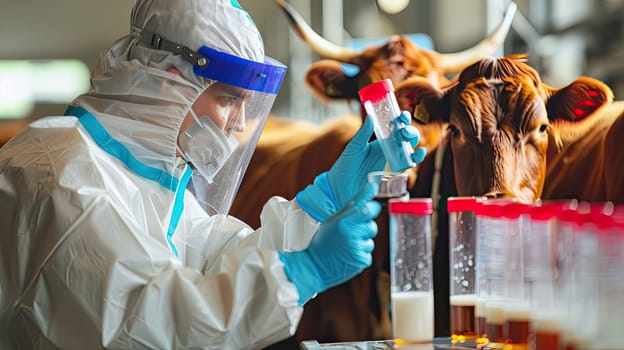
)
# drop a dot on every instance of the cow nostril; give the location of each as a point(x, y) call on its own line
point(496, 195)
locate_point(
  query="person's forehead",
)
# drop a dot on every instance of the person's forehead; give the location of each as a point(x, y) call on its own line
point(229, 90)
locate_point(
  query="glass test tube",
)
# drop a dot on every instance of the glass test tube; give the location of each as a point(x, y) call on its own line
point(411, 270)
point(489, 309)
point(462, 248)
point(516, 302)
point(541, 270)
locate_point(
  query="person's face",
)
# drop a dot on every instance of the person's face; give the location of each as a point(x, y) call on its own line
point(224, 104)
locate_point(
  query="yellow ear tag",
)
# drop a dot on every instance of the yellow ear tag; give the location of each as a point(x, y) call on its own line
point(421, 114)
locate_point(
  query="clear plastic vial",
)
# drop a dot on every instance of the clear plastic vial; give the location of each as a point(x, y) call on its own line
point(381, 104)
point(462, 259)
point(411, 270)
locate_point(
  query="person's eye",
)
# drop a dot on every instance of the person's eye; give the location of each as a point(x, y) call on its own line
point(228, 100)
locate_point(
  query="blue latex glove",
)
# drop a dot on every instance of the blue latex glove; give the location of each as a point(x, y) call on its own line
point(332, 189)
point(340, 249)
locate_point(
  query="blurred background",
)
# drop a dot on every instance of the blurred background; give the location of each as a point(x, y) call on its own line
point(47, 49)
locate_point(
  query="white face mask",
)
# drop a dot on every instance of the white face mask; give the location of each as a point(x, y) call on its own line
point(205, 146)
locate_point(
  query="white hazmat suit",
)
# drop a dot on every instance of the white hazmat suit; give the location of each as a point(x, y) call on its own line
point(88, 256)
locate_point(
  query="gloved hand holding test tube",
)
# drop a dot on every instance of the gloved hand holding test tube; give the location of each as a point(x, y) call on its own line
point(392, 127)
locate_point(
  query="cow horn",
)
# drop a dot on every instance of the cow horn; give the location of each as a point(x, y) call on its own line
point(317, 43)
point(453, 62)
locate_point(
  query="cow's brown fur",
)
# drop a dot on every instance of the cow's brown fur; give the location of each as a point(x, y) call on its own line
point(589, 165)
point(518, 137)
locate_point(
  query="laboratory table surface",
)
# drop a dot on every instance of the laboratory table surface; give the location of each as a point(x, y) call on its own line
point(437, 344)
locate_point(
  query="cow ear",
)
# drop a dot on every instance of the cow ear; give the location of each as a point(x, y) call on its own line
point(328, 81)
point(423, 99)
point(578, 100)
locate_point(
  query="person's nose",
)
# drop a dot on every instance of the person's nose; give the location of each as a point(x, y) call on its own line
point(237, 119)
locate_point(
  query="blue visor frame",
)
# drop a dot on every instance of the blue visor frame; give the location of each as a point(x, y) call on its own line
point(246, 74)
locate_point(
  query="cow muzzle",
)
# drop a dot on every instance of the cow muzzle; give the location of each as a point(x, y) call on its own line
point(499, 195)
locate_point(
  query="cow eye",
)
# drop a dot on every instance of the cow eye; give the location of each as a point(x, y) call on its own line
point(454, 130)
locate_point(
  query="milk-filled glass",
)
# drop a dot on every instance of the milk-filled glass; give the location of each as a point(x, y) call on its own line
point(462, 262)
point(411, 270)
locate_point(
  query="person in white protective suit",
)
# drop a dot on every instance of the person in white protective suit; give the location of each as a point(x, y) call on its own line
point(104, 242)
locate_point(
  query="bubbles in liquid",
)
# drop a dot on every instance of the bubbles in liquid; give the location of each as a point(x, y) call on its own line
point(398, 263)
point(385, 108)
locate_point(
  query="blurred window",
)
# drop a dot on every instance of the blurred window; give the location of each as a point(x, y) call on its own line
point(23, 83)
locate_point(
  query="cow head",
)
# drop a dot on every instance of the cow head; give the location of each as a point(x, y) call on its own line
point(501, 121)
point(399, 59)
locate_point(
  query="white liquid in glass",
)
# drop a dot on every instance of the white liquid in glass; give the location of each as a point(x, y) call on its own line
point(412, 316)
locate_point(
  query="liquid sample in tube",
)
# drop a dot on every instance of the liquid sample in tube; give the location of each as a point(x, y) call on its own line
point(575, 337)
point(480, 321)
point(517, 326)
point(547, 334)
point(463, 326)
point(578, 344)
point(495, 321)
point(412, 314)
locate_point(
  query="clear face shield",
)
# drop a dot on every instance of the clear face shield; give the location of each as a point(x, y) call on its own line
point(228, 119)
point(219, 149)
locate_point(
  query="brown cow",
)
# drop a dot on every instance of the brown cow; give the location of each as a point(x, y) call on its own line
point(291, 153)
point(513, 136)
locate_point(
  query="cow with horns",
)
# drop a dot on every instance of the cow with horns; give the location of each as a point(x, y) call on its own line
point(512, 136)
point(356, 310)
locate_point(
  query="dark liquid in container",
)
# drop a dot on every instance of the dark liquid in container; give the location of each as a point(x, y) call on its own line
point(495, 332)
point(517, 331)
point(481, 326)
point(463, 322)
point(546, 341)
